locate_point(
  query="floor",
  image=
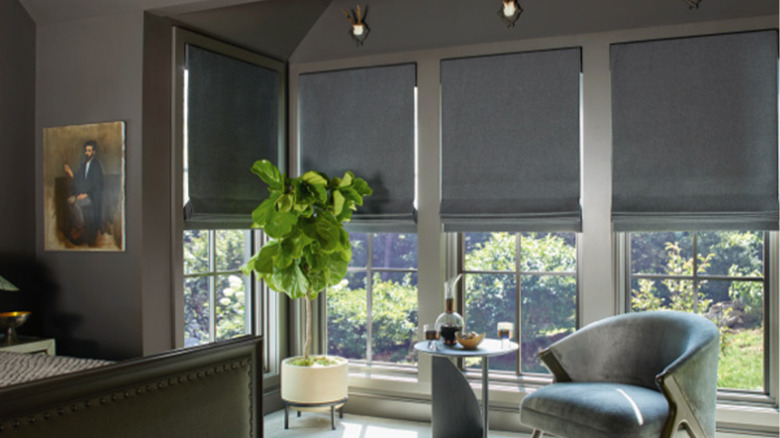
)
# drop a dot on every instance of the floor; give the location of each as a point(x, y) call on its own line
point(317, 425)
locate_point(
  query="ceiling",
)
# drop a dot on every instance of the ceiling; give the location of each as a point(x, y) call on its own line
point(312, 30)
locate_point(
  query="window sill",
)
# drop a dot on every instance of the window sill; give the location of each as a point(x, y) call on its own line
point(737, 412)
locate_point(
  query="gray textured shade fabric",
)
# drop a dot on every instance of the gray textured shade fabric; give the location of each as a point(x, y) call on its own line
point(694, 124)
point(511, 142)
point(232, 120)
point(362, 120)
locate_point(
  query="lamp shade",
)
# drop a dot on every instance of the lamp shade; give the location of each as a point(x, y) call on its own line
point(7, 285)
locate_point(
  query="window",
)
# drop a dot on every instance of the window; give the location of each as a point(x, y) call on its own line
point(529, 278)
point(372, 313)
point(217, 295)
point(720, 275)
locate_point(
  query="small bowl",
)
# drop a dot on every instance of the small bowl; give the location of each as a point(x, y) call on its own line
point(469, 343)
point(13, 319)
point(9, 321)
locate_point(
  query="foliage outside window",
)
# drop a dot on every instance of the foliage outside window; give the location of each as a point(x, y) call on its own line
point(529, 278)
point(216, 292)
point(724, 281)
point(372, 313)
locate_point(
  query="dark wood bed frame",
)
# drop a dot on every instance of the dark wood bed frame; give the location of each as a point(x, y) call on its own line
point(208, 391)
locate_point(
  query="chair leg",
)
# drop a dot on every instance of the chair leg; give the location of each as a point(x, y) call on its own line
point(537, 434)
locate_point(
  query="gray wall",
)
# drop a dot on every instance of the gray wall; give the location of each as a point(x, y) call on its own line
point(17, 162)
point(156, 268)
point(90, 70)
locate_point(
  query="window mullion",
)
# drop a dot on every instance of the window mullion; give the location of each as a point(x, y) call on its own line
point(212, 288)
point(695, 274)
point(369, 297)
point(518, 301)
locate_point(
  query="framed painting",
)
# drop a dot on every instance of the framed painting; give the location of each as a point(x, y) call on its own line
point(84, 187)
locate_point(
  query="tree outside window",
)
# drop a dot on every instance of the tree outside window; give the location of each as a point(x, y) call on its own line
point(216, 292)
point(530, 278)
point(719, 275)
point(372, 313)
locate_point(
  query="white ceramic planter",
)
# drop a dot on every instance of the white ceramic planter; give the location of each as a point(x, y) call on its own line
point(315, 384)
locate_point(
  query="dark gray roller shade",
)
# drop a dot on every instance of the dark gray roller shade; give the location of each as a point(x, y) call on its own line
point(232, 120)
point(694, 133)
point(511, 142)
point(362, 120)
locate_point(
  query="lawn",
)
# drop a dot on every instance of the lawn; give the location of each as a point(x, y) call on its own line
point(741, 363)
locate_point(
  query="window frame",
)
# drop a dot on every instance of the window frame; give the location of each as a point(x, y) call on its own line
point(212, 273)
point(769, 396)
point(518, 273)
point(269, 308)
point(369, 270)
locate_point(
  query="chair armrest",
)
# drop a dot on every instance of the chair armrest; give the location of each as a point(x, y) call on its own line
point(690, 384)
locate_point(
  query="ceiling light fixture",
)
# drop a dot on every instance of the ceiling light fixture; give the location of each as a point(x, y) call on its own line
point(510, 12)
point(359, 30)
point(693, 4)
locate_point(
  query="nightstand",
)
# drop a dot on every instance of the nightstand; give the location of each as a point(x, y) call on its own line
point(30, 345)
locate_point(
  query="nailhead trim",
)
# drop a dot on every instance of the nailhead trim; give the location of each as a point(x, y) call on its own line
point(105, 400)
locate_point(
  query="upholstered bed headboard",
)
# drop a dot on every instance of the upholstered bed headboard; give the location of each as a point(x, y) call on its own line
point(208, 391)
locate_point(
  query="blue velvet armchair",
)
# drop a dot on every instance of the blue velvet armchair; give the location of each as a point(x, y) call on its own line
point(646, 374)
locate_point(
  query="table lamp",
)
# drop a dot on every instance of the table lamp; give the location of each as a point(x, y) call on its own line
point(10, 321)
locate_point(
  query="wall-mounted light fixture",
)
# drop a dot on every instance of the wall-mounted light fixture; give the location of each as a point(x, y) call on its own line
point(693, 4)
point(359, 30)
point(510, 12)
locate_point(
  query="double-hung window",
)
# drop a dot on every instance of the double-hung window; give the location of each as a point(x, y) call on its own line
point(511, 190)
point(217, 295)
point(694, 148)
point(229, 113)
point(721, 275)
point(372, 313)
point(363, 120)
point(528, 279)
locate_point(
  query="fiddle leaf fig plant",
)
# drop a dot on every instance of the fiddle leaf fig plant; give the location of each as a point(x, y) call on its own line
point(304, 219)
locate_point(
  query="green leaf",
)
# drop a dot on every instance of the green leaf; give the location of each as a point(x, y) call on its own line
point(338, 202)
point(285, 203)
point(303, 196)
point(291, 249)
point(280, 224)
point(272, 284)
point(292, 280)
point(284, 259)
point(263, 212)
point(263, 261)
point(351, 196)
point(346, 214)
point(361, 186)
point(337, 268)
point(320, 193)
point(347, 180)
point(312, 177)
point(323, 228)
point(346, 246)
point(268, 173)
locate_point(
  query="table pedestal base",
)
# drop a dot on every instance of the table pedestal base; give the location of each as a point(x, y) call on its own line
point(456, 412)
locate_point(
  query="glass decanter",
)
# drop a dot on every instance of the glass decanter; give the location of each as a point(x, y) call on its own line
point(449, 322)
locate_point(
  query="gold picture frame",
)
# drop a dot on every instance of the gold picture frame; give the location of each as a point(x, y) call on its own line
point(84, 187)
